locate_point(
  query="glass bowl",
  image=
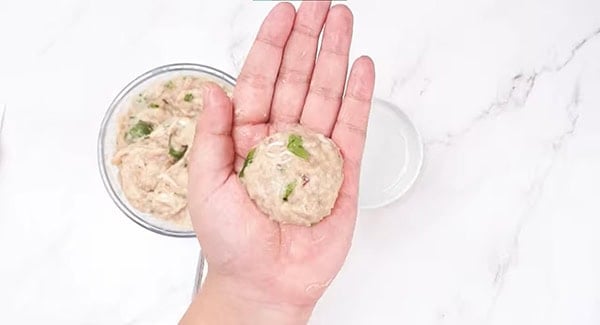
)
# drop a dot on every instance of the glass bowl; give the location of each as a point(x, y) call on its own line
point(108, 135)
point(393, 156)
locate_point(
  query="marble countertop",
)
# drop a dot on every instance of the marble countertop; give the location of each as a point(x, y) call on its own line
point(501, 228)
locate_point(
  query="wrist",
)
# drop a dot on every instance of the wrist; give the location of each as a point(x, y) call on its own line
point(223, 301)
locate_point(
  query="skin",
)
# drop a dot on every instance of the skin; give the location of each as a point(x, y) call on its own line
point(261, 272)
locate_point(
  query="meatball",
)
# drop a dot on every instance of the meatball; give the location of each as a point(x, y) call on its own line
point(294, 176)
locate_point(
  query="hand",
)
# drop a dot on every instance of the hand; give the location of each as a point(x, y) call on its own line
point(252, 259)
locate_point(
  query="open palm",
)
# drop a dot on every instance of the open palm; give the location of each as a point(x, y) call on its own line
point(281, 85)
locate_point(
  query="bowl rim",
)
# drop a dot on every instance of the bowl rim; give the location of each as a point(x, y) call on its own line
point(112, 109)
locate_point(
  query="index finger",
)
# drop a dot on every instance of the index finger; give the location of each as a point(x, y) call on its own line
point(254, 90)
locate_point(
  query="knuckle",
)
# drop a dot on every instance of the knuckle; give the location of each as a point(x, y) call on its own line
point(306, 30)
point(357, 128)
point(325, 92)
point(293, 76)
point(254, 80)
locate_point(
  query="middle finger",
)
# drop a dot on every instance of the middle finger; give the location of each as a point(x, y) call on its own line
point(298, 63)
point(329, 78)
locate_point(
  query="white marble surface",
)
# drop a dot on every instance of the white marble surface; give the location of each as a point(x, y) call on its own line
point(501, 228)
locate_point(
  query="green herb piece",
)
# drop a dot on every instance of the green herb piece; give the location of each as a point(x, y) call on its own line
point(140, 129)
point(289, 189)
point(295, 146)
point(248, 161)
point(154, 105)
point(188, 97)
point(177, 154)
point(170, 84)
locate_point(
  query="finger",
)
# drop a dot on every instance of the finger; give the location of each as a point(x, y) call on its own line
point(255, 84)
point(212, 154)
point(328, 80)
point(298, 63)
point(350, 129)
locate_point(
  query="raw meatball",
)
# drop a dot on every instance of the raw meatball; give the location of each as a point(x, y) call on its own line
point(294, 176)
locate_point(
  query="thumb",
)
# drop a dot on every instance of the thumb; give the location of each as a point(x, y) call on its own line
point(212, 154)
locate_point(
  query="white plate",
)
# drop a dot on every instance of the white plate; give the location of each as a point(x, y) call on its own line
point(393, 156)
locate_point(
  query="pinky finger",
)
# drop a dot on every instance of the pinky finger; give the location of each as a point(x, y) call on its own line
point(350, 129)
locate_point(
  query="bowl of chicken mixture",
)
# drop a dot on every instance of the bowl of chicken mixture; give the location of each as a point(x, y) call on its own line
point(144, 142)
